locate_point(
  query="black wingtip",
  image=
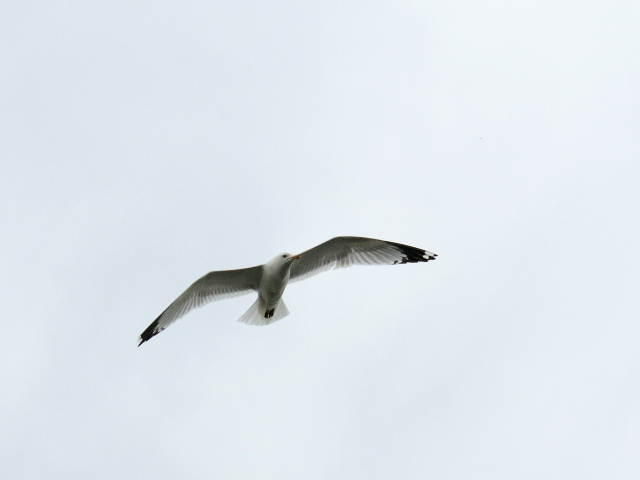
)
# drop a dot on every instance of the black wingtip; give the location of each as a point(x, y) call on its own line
point(413, 254)
point(149, 332)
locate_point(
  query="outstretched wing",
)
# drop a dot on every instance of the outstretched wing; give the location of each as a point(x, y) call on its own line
point(341, 252)
point(213, 286)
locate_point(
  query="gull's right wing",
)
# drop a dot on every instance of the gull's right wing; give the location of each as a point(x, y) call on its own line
point(213, 286)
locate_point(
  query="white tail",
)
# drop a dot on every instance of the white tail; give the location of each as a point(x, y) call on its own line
point(256, 312)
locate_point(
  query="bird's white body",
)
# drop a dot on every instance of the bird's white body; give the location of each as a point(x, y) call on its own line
point(271, 279)
point(269, 307)
point(275, 276)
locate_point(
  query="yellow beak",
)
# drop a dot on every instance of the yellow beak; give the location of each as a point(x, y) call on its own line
point(295, 257)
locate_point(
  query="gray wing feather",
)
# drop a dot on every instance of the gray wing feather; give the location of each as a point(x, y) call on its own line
point(342, 252)
point(213, 286)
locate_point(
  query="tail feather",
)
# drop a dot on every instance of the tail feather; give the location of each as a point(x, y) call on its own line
point(256, 314)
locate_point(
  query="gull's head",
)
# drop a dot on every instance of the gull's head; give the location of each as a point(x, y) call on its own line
point(285, 259)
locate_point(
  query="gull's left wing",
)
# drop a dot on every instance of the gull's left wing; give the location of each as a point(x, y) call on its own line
point(341, 252)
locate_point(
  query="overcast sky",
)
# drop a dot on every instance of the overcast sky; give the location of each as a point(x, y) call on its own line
point(144, 144)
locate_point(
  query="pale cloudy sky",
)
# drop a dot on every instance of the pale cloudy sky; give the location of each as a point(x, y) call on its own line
point(143, 144)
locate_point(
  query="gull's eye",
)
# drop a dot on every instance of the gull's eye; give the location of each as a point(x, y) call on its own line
point(284, 256)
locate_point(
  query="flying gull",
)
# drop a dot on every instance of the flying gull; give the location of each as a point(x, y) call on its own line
point(270, 279)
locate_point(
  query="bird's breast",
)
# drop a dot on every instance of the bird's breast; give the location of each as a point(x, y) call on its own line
point(272, 286)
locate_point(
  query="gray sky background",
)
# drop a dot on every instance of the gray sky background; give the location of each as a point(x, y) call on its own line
point(142, 145)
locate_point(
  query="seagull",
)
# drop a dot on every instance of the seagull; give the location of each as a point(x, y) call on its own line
point(270, 279)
